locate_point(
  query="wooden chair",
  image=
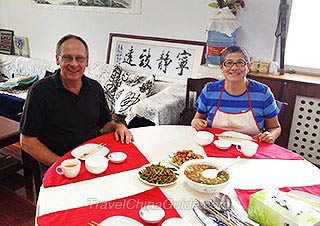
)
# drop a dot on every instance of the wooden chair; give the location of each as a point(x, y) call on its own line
point(282, 106)
point(194, 86)
point(31, 171)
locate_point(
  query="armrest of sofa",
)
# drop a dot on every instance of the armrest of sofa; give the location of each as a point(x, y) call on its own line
point(162, 108)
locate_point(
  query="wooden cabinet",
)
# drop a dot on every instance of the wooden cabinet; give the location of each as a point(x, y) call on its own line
point(285, 88)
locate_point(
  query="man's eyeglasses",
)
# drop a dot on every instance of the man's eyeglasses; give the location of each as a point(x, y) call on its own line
point(229, 63)
point(69, 59)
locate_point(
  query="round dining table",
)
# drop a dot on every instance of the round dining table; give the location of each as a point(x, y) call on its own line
point(156, 143)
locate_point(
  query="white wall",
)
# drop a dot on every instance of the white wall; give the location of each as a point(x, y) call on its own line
point(178, 19)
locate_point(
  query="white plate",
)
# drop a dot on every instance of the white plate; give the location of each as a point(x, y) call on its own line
point(170, 156)
point(175, 221)
point(234, 134)
point(153, 184)
point(87, 147)
point(120, 221)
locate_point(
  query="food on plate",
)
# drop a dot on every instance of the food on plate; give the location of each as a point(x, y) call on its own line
point(158, 174)
point(194, 173)
point(182, 156)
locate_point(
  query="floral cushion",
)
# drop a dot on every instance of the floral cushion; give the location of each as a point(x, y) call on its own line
point(124, 89)
point(118, 75)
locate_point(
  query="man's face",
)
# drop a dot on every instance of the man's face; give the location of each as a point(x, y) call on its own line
point(72, 59)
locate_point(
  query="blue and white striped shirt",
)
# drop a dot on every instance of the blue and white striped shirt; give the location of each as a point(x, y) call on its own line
point(262, 100)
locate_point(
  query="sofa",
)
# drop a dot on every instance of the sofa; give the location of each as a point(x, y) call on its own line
point(162, 106)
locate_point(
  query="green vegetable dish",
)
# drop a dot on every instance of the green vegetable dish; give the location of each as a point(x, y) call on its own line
point(158, 174)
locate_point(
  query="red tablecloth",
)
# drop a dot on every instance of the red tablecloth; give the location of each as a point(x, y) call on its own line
point(265, 151)
point(128, 206)
point(134, 160)
point(244, 194)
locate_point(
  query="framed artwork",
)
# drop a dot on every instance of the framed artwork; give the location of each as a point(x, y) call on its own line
point(113, 6)
point(168, 59)
point(21, 46)
point(6, 42)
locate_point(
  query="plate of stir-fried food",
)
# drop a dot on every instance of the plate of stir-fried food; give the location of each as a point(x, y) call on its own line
point(179, 157)
point(158, 174)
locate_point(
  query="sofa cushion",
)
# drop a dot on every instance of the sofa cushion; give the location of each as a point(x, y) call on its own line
point(136, 87)
point(123, 89)
point(118, 75)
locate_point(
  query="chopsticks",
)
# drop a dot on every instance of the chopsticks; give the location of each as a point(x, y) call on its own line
point(91, 151)
point(234, 137)
point(93, 223)
point(216, 214)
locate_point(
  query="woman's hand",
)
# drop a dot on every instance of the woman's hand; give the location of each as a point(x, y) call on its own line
point(199, 124)
point(266, 137)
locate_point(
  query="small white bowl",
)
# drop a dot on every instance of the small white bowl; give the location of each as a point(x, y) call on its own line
point(151, 214)
point(222, 144)
point(117, 157)
point(96, 164)
point(203, 137)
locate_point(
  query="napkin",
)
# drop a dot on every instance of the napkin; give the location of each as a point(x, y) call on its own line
point(244, 194)
point(127, 206)
point(134, 160)
point(265, 150)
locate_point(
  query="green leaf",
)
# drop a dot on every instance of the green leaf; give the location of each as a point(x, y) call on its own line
point(213, 5)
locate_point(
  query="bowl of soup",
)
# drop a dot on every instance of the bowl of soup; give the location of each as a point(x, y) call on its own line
point(194, 173)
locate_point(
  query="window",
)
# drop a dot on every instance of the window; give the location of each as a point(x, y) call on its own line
point(303, 40)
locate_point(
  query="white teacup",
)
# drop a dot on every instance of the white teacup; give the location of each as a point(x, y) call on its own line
point(69, 167)
point(248, 148)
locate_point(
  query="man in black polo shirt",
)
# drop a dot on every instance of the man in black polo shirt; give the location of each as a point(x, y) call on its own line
point(67, 108)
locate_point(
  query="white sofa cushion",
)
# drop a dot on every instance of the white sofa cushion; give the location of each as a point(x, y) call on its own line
point(135, 88)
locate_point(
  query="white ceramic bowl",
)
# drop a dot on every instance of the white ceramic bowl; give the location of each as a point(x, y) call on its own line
point(117, 157)
point(151, 214)
point(222, 144)
point(204, 188)
point(203, 137)
point(96, 164)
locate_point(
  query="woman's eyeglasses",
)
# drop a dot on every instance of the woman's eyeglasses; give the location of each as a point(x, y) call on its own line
point(229, 63)
point(69, 59)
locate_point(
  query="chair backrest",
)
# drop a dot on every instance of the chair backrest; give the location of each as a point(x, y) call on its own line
point(194, 86)
point(282, 106)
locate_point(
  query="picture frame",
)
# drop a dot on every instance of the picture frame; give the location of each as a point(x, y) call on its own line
point(111, 6)
point(21, 46)
point(6, 42)
point(167, 59)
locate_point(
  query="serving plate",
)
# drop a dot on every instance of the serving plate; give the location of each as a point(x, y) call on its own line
point(120, 221)
point(155, 184)
point(171, 155)
point(86, 148)
point(234, 141)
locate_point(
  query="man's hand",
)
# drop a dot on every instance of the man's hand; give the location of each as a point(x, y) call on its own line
point(122, 134)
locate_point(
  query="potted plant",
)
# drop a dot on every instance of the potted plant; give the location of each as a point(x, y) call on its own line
point(233, 5)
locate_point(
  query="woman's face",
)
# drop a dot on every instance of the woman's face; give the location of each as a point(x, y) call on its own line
point(234, 68)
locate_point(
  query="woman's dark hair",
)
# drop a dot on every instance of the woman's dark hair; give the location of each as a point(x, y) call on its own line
point(234, 49)
point(67, 37)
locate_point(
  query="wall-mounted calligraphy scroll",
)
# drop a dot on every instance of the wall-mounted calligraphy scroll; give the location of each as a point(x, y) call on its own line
point(168, 59)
